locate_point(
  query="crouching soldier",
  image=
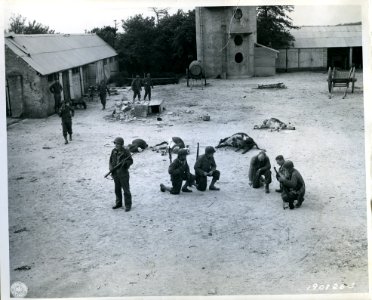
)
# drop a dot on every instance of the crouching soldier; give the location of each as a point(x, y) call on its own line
point(205, 166)
point(260, 166)
point(179, 171)
point(122, 156)
point(293, 185)
point(66, 112)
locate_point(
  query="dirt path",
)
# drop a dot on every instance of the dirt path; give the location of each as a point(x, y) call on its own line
point(235, 241)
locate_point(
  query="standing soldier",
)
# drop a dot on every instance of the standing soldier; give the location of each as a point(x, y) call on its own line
point(280, 161)
point(136, 88)
point(179, 171)
point(147, 83)
point(103, 90)
point(56, 89)
point(66, 112)
point(260, 166)
point(122, 156)
point(293, 185)
point(206, 166)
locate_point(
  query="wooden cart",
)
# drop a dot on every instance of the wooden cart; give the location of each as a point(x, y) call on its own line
point(340, 78)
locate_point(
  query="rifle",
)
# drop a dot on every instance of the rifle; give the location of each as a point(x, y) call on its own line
point(197, 152)
point(277, 173)
point(170, 154)
point(119, 165)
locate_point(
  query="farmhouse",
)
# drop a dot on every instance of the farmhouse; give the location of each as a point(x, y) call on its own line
point(34, 62)
point(226, 40)
point(318, 47)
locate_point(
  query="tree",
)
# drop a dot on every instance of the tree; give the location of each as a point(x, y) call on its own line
point(18, 26)
point(273, 26)
point(107, 33)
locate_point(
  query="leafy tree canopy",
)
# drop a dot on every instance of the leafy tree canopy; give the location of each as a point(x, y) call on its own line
point(273, 25)
point(18, 25)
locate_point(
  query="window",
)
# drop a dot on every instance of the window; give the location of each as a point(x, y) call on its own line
point(238, 40)
point(238, 14)
point(53, 77)
point(238, 57)
point(75, 70)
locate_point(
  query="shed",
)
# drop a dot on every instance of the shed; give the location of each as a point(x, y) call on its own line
point(34, 62)
point(318, 47)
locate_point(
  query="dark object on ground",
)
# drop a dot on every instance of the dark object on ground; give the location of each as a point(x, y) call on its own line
point(340, 78)
point(136, 145)
point(159, 119)
point(238, 140)
point(279, 85)
point(23, 268)
point(274, 124)
point(21, 230)
point(79, 103)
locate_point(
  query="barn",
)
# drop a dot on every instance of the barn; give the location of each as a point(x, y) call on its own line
point(34, 62)
point(226, 42)
point(318, 47)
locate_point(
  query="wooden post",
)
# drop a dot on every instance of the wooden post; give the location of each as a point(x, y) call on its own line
point(350, 57)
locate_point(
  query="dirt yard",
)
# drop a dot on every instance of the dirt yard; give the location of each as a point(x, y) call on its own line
point(235, 241)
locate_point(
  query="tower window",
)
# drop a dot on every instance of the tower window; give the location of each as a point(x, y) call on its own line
point(238, 57)
point(238, 40)
point(238, 14)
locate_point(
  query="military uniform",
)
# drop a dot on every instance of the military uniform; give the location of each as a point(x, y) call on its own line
point(136, 87)
point(293, 188)
point(257, 169)
point(66, 112)
point(202, 165)
point(56, 89)
point(103, 90)
point(147, 83)
point(180, 171)
point(121, 176)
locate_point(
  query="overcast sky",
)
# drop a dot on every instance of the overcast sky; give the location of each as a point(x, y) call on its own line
point(75, 16)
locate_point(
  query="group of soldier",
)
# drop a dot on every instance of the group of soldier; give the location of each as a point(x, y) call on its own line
point(137, 84)
point(292, 185)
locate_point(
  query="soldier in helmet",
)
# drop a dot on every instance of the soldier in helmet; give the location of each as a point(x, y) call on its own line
point(147, 83)
point(260, 166)
point(205, 166)
point(136, 88)
point(293, 185)
point(66, 112)
point(179, 171)
point(121, 175)
point(56, 90)
point(103, 90)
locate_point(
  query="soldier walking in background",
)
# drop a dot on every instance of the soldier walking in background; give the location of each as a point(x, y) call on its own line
point(103, 90)
point(205, 166)
point(260, 166)
point(179, 171)
point(122, 157)
point(56, 90)
point(66, 112)
point(136, 88)
point(293, 185)
point(147, 83)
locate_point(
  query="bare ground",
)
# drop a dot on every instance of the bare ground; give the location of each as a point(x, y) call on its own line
point(235, 241)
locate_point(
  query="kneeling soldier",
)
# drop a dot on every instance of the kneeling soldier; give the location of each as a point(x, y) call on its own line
point(179, 171)
point(206, 166)
point(122, 156)
point(260, 166)
point(293, 185)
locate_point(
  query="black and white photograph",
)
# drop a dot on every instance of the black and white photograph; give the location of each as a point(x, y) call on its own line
point(185, 149)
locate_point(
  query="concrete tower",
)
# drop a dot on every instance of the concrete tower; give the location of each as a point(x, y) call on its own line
point(225, 39)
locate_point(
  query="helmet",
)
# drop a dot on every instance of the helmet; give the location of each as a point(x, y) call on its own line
point(183, 152)
point(288, 165)
point(119, 141)
point(209, 150)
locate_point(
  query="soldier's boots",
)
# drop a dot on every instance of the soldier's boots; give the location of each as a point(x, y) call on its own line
point(162, 188)
point(70, 137)
point(212, 187)
point(299, 203)
point(278, 190)
point(267, 188)
point(127, 208)
point(117, 206)
point(66, 141)
point(186, 190)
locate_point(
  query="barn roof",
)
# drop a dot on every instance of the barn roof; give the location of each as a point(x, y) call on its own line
point(50, 53)
point(327, 36)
